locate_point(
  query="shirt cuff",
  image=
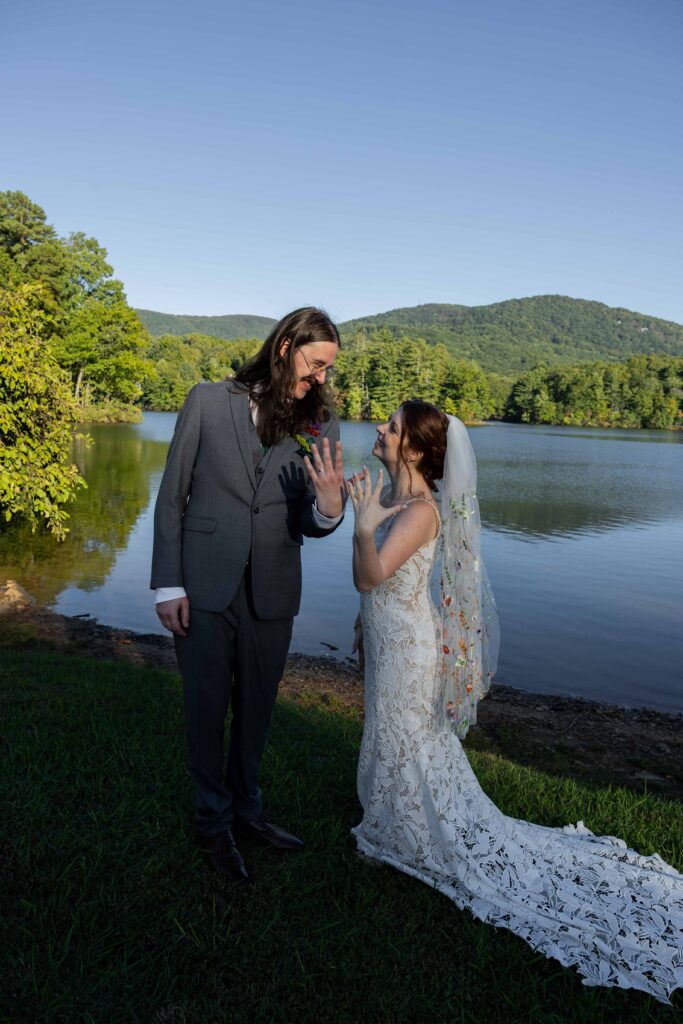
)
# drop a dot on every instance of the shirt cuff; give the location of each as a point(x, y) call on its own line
point(168, 594)
point(324, 521)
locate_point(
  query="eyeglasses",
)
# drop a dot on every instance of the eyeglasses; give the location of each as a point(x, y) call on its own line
point(312, 377)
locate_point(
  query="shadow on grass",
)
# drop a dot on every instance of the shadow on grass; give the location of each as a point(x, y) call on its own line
point(111, 914)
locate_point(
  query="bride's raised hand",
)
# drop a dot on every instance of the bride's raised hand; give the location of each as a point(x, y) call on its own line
point(367, 508)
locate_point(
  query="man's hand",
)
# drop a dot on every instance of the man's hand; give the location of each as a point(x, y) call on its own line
point(175, 615)
point(327, 478)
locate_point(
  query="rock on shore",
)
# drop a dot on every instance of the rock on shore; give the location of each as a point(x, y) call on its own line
point(14, 599)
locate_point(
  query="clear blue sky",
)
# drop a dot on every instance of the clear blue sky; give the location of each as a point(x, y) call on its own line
point(358, 155)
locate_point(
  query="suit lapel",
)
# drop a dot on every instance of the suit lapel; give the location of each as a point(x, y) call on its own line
point(239, 407)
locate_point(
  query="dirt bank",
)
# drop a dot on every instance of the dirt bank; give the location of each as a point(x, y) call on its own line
point(636, 748)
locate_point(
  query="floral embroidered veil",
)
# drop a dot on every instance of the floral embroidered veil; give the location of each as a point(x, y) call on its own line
point(469, 617)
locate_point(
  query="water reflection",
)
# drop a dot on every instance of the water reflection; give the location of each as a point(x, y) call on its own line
point(583, 541)
point(613, 434)
point(118, 468)
point(542, 483)
point(536, 482)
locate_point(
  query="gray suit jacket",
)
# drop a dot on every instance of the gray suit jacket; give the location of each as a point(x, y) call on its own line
point(214, 514)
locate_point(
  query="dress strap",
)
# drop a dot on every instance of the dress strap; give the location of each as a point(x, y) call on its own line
point(431, 505)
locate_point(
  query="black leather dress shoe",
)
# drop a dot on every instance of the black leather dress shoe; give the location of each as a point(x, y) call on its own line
point(266, 832)
point(224, 855)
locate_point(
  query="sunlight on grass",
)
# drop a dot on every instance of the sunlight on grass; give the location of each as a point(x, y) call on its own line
point(111, 914)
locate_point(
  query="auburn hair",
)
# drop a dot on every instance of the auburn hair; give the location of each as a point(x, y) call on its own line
point(424, 428)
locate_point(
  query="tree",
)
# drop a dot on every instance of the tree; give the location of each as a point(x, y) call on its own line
point(90, 276)
point(351, 377)
point(22, 223)
point(467, 392)
point(37, 413)
point(500, 389)
point(376, 373)
point(47, 263)
point(31, 252)
point(93, 332)
point(174, 365)
point(645, 391)
point(103, 351)
point(531, 401)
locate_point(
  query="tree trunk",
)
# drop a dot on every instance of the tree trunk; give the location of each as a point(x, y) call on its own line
point(79, 381)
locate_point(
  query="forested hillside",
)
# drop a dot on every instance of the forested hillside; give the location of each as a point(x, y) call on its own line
point(510, 337)
point(228, 327)
point(505, 338)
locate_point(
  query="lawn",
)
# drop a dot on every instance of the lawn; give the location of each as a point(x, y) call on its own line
point(111, 914)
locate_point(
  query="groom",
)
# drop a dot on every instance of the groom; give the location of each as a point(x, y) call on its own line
point(249, 471)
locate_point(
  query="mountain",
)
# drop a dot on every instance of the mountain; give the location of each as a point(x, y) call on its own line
point(430, 315)
point(505, 337)
point(228, 327)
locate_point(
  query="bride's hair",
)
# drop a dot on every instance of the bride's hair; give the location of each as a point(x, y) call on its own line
point(424, 429)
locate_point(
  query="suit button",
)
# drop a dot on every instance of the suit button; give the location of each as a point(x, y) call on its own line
point(256, 510)
point(259, 471)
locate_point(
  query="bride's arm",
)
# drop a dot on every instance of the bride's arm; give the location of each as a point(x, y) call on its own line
point(367, 568)
point(411, 528)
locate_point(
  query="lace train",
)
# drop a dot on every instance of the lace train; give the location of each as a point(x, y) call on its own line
point(586, 900)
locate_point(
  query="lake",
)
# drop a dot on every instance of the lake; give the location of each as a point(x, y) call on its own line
point(583, 540)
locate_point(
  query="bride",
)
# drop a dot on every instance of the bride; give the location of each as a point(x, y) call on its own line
point(585, 900)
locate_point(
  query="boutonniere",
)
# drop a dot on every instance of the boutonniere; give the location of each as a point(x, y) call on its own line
point(306, 439)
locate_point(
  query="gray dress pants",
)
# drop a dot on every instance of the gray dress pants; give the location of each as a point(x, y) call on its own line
point(229, 658)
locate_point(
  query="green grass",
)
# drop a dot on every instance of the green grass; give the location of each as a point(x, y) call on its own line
point(112, 916)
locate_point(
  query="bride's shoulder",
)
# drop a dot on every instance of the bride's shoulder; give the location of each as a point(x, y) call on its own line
point(420, 516)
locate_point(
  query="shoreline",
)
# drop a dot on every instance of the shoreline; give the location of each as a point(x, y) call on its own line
point(637, 748)
point(468, 423)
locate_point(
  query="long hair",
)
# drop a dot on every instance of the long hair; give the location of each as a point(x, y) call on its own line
point(271, 378)
point(424, 428)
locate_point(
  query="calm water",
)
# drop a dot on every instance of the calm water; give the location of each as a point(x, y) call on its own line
point(583, 542)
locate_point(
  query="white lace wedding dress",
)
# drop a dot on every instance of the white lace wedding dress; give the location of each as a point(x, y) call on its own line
point(585, 900)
